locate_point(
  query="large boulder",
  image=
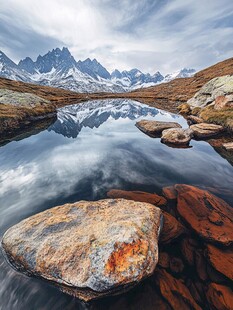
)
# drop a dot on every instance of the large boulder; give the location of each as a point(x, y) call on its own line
point(137, 196)
point(219, 86)
point(222, 102)
point(21, 99)
point(204, 130)
point(88, 249)
point(176, 136)
point(155, 128)
point(209, 216)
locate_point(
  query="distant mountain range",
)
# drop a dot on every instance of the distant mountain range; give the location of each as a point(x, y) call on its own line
point(58, 68)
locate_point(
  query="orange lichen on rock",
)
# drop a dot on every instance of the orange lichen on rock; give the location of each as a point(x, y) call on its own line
point(121, 259)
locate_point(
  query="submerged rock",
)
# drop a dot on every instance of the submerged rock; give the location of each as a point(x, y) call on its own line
point(172, 229)
point(221, 260)
point(176, 136)
point(220, 297)
point(155, 128)
point(138, 196)
point(88, 249)
point(174, 291)
point(204, 130)
point(209, 216)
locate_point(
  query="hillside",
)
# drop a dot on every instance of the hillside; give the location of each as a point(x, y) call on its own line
point(169, 95)
point(166, 96)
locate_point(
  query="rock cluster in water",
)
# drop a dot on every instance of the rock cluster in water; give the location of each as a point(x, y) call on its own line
point(101, 248)
point(195, 250)
point(176, 136)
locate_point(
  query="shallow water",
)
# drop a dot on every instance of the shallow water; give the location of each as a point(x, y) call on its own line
point(91, 148)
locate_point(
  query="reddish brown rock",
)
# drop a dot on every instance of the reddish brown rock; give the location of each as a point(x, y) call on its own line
point(164, 260)
point(89, 249)
point(137, 196)
point(209, 216)
point(222, 102)
point(220, 297)
point(221, 260)
point(170, 193)
point(176, 265)
point(171, 229)
point(174, 291)
point(155, 128)
point(204, 130)
point(188, 248)
point(200, 265)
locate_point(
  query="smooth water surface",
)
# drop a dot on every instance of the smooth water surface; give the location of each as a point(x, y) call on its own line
point(92, 148)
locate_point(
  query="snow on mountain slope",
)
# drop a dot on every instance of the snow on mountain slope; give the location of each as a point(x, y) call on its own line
point(58, 68)
point(183, 73)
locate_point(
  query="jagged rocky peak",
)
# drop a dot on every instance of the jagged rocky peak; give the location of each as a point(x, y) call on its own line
point(6, 61)
point(54, 59)
point(93, 68)
point(116, 74)
point(27, 64)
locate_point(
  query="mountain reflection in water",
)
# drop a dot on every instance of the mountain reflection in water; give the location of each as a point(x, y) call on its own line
point(106, 151)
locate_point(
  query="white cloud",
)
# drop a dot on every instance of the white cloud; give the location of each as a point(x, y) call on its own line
point(150, 35)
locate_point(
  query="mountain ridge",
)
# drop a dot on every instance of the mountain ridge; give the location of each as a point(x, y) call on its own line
point(58, 68)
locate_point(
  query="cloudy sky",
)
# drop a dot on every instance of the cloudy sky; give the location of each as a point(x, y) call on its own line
point(151, 35)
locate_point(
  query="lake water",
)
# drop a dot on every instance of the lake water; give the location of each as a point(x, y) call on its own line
point(93, 147)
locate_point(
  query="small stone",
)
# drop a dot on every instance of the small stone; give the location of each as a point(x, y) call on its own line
point(155, 128)
point(228, 146)
point(176, 136)
point(204, 130)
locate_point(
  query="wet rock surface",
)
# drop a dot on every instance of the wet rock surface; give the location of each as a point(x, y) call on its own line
point(155, 128)
point(176, 136)
point(137, 196)
point(209, 216)
point(204, 130)
point(116, 247)
point(89, 249)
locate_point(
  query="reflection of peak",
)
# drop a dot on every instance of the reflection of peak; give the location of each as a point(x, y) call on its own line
point(92, 114)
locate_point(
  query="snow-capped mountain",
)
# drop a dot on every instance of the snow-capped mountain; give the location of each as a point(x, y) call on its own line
point(134, 78)
point(183, 73)
point(10, 70)
point(58, 68)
